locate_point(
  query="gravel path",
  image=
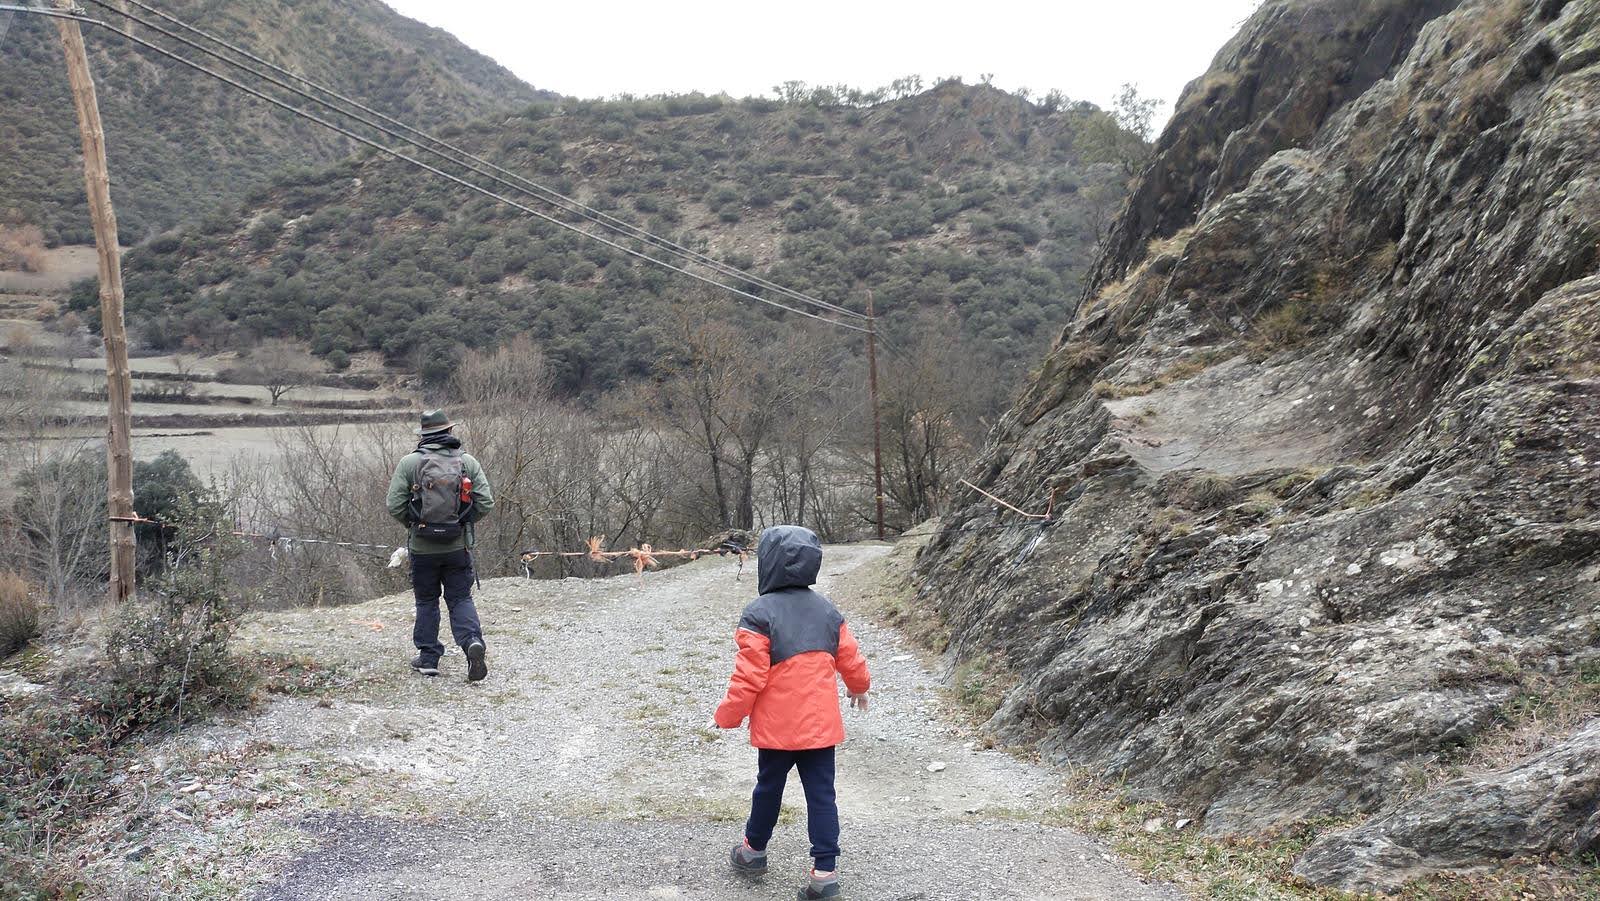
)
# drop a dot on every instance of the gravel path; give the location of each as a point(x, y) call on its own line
point(583, 768)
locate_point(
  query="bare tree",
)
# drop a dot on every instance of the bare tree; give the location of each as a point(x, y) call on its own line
point(53, 518)
point(935, 398)
point(279, 366)
point(22, 248)
point(59, 514)
point(815, 393)
point(726, 397)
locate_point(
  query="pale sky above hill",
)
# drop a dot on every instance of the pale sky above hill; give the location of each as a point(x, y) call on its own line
point(1087, 48)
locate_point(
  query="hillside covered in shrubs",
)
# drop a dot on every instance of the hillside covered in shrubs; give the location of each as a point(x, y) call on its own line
point(179, 143)
point(960, 200)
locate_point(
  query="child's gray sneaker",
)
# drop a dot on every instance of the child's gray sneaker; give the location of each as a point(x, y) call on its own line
point(820, 887)
point(747, 861)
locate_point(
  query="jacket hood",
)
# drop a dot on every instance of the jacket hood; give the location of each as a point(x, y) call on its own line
point(444, 442)
point(788, 557)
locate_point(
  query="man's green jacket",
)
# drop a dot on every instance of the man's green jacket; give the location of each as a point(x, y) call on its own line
point(405, 476)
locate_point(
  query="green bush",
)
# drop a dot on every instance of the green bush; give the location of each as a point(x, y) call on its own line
point(168, 658)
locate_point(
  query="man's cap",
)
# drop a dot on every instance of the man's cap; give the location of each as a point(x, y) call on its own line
point(433, 422)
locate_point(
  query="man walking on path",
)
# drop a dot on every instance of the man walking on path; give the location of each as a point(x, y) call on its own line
point(792, 641)
point(437, 493)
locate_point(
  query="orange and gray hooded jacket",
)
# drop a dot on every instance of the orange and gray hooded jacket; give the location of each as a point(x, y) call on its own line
point(791, 642)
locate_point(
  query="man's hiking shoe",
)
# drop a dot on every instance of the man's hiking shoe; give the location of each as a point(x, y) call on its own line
point(424, 666)
point(747, 861)
point(824, 887)
point(477, 667)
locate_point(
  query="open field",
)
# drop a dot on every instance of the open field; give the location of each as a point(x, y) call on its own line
point(214, 452)
point(62, 267)
point(179, 404)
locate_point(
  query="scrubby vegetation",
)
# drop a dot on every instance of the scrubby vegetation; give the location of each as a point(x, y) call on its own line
point(161, 662)
point(21, 247)
point(58, 517)
point(962, 199)
point(179, 144)
point(19, 613)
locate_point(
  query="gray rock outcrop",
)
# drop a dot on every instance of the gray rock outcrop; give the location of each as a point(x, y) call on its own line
point(1547, 801)
point(1323, 438)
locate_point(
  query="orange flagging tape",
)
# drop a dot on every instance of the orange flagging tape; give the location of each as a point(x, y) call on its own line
point(644, 556)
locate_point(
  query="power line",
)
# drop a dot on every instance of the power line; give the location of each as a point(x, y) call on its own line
point(400, 155)
point(526, 186)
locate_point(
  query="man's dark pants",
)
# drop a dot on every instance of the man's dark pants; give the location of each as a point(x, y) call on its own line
point(822, 809)
point(450, 574)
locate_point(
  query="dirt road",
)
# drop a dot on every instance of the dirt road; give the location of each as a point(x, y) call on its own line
point(583, 768)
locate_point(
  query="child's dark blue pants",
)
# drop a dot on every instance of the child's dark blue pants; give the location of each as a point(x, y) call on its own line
point(822, 810)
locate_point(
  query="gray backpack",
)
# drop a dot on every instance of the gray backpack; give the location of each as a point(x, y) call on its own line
point(441, 495)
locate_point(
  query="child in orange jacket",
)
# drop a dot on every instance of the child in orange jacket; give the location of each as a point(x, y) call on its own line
point(791, 642)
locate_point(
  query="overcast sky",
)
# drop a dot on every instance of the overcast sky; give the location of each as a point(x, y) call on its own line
point(1087, 48)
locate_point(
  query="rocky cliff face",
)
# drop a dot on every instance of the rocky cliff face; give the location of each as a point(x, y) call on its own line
point(1324, 447)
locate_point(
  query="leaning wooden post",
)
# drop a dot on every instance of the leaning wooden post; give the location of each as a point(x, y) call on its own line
point(877, 429)
point(119, 383)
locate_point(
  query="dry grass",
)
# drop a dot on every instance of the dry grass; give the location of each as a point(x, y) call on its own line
point(1080, 355)
point(1486, 36)
point(1186, 368)
point(1109, 295)
point(1169, 246)
point(1119, 292)
point(1209, 491)
point(1545, 711)
point(884, 588)
point(1290, 485)
point(1234, 869)
point(19, 613)
point(1207, 89)
point(1260, 502)
point(1365, 499)
point(1287, 326)
point(1145, 833)
point(21, 248)
point(1306, 313)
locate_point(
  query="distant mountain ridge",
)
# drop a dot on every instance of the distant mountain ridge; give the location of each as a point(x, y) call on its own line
point(181, 144)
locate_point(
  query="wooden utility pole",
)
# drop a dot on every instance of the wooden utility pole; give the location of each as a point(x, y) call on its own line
point(877, 428)
point(119, 383)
